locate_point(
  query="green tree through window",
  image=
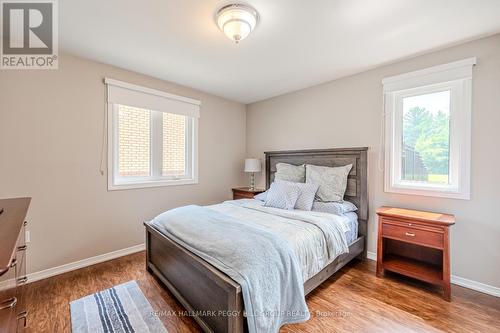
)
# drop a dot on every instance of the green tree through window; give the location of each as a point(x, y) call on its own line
point(426, 134)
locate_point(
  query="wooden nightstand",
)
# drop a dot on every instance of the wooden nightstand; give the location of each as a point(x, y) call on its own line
point(245, 193)
point(415, 244)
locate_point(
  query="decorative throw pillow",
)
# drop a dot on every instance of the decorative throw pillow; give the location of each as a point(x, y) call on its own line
point(307, 193)
point(261, 196)
point(282, 195)
point(332, 181)
point(306, 197)
point(337, 208)
point(290, 173)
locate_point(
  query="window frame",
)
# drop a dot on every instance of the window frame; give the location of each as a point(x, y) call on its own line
point(115, 182)
point(455, 77)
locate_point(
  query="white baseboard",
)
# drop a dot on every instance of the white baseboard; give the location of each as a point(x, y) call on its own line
point(459, 281)
point(474, 285)
point(371, 255)
point(32, 277)
point(46, 273)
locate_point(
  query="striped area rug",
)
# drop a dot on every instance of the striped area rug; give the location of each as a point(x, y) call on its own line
point(121, 309)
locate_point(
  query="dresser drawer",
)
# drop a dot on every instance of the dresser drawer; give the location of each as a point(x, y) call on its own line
point(413, 233)
point(8, 301)
point(13, 264)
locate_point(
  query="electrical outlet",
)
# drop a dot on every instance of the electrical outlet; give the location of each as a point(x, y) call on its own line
point(27, 237)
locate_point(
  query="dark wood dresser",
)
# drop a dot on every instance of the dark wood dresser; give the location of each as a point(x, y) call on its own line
point(416, 244)
point(13, 314)
point(245, 193)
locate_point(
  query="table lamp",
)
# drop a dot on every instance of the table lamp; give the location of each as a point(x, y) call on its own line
point(252, 165)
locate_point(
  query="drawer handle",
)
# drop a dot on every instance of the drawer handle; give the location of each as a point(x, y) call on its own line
point(22, 248)
point(22, 280)
point(23, 315)
point(9, 303)
point(13, 263)
point(409, 234)
point(1, 211)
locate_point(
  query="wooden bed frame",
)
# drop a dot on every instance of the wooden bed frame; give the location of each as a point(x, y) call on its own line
point(214, 299)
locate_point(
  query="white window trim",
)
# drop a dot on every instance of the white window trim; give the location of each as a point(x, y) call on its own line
point(150, 91)
point(115, 183)
point(457, 77)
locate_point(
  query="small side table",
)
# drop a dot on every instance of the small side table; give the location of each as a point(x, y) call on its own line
point(245, 193)
point(416, 244)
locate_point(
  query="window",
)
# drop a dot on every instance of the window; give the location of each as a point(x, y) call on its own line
point(427, 131)
point(152, 137)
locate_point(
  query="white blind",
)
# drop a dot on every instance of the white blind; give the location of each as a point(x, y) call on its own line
point(146, 98)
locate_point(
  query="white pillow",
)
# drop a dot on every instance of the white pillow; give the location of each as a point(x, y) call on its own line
point(337, 208)
point(282, 195)
point(332, 181)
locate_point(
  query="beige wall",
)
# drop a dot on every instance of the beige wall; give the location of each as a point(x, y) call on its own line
point(51, 131)
point(346, 113)
point(51, 125)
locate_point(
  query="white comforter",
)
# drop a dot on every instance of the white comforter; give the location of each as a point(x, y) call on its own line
point(313, 247)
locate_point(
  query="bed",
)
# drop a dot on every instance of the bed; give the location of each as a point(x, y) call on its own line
point(213, 298)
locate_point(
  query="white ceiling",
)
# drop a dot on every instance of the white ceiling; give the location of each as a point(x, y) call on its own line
point(297, 43)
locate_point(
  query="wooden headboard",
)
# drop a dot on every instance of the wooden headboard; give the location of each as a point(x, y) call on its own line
point(357, 189)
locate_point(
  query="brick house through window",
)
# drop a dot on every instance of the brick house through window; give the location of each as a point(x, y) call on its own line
point(152, 137)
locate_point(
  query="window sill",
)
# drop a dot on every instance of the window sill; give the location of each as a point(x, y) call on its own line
point(147, 184)
point(428, 192)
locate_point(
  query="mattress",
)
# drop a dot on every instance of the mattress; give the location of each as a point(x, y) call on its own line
point(352, 234)
point(317, 238)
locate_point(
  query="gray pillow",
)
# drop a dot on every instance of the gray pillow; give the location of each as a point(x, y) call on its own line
point(282, 195)
point(307, 193)
point(332, 181)
point(337, 208)
point(290, 173)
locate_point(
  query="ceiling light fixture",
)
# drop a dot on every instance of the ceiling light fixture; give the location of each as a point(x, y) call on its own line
point(237, 21)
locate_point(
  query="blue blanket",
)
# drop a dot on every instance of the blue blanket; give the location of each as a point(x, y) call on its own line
point(262, 262)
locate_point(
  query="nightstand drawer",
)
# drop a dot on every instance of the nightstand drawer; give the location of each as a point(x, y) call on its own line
point(245, 193)
point(242, 195)
point(432, 237)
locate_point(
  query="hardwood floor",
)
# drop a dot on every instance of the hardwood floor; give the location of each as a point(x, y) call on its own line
point(353, 300)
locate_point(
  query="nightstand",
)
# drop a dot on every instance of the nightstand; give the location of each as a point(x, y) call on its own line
point(245, 193)
point(416, 244)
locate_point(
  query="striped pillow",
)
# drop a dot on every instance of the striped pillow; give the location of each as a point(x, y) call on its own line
point(261, 196)
point(282, 195)
point(306, 197)
point(307, 194)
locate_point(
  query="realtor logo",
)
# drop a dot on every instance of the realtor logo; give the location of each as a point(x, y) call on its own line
point(29, 34)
